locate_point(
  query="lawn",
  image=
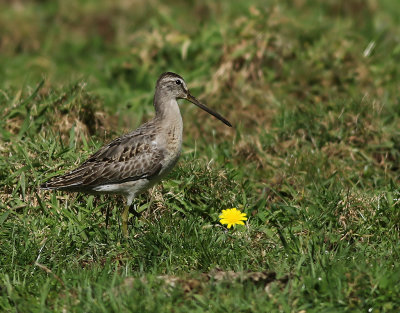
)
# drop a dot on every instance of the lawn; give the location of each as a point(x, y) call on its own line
point(312, 90)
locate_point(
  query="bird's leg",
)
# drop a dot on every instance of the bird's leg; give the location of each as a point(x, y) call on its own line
point(125, 217)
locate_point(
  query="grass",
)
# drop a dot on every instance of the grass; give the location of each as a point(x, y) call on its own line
point(312, 90)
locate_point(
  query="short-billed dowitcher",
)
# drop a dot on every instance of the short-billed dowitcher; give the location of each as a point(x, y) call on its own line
point(134, 162)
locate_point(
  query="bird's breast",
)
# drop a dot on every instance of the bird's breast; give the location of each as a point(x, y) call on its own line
point(172, 142)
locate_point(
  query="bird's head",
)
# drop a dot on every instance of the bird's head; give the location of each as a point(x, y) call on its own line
point(171, 85)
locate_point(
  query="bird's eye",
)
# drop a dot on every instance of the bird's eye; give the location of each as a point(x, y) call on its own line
point(178, 82)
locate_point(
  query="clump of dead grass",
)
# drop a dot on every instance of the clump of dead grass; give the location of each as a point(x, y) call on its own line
point(74, 109)
point(354, 209)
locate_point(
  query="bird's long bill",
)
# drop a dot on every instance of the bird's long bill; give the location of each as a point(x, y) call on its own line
point(207, 109)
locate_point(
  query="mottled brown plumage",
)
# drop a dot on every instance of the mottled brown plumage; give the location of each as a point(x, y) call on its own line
point(134, 162)
point(127, 158)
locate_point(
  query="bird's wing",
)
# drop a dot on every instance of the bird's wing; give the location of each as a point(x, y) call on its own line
point(130, 157)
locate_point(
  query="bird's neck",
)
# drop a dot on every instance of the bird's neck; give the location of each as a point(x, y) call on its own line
point(169, 120)
point(167, 109)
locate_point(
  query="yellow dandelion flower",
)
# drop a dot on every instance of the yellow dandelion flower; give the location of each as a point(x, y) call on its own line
point(232, 217)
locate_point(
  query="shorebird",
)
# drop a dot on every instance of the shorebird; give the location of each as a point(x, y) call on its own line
point(132, 163)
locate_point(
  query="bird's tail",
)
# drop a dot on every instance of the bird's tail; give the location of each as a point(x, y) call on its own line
point(69, 181)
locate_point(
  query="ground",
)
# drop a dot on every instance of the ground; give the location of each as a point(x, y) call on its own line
point(312, 89)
